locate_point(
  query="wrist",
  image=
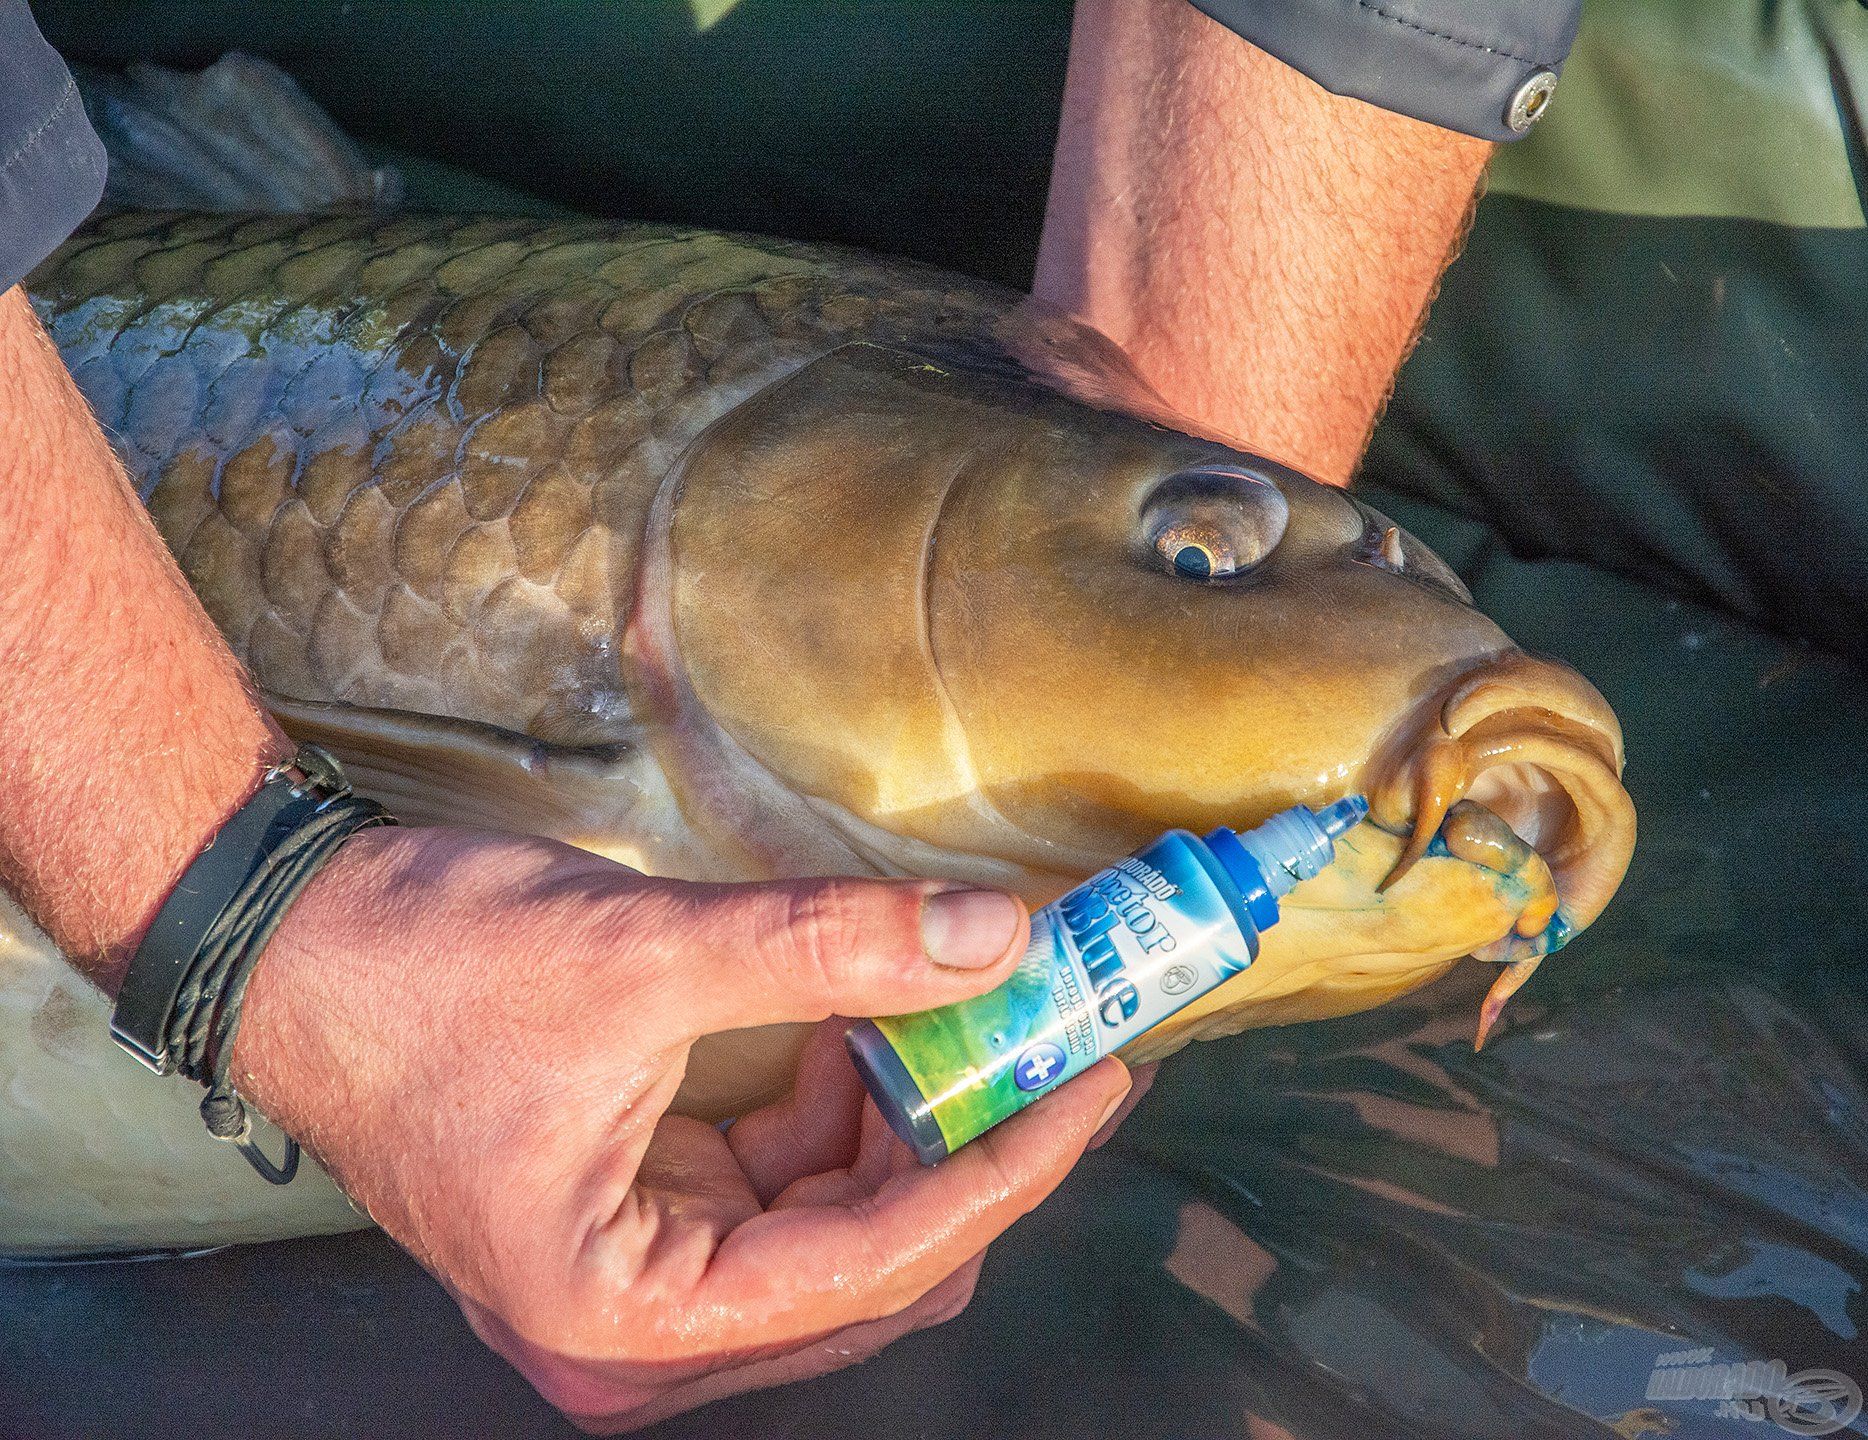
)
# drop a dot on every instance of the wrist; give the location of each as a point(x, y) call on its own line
point(1262, 250)
point(181, 1000)
point(298, 1056)
point(218, 793)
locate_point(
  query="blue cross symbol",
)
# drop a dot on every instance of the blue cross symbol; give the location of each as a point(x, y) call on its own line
point(1037, 1066)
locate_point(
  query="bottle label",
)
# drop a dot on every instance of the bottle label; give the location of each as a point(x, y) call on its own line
point(1113, 958)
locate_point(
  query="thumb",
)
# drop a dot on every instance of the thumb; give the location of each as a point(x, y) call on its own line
point(809, 949)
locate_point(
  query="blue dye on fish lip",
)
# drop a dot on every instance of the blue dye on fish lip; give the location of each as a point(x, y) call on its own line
point(1110, 960)
point(1558, 933)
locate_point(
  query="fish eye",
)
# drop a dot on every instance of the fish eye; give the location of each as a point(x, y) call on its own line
point(1386, 546)
point(1214, 523)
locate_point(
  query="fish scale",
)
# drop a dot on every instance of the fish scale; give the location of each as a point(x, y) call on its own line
point(372, 443)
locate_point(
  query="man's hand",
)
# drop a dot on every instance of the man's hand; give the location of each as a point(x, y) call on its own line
point(480, 1035)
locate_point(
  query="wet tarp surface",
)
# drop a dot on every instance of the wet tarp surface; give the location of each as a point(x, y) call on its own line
point(1346, 1231)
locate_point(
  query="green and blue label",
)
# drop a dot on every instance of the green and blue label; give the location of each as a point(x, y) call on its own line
point(1111, 959)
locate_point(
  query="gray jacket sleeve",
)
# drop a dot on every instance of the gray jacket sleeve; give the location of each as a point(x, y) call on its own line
point(51, 165)
point(1484, 67)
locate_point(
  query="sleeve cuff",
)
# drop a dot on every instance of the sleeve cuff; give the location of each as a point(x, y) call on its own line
point(1482, 69)
point(51, 164)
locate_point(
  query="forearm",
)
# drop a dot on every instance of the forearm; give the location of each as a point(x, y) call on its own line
point(127, 731)
point(1262, 249)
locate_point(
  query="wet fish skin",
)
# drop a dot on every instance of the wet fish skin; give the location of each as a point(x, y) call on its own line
point(406, 464)
point(732, 558)
point(372, 443)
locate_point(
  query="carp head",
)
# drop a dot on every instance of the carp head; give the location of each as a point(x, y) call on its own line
point(985, 627)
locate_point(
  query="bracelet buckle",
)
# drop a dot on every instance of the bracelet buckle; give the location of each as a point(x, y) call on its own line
point(313, 770)
point(178, 1007)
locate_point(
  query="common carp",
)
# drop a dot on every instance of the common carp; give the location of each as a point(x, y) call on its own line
point(735, 558)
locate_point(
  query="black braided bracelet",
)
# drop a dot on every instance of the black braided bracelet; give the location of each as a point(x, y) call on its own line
point(179, 1008)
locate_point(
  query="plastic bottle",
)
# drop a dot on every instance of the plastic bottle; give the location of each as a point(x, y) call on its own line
point(1107, 962)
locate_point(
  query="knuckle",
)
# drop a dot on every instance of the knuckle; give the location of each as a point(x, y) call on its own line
point(822, 927)
point(622, 961)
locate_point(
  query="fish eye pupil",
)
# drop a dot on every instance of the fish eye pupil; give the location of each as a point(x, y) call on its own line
point(1194, 561)
point(1212, 524)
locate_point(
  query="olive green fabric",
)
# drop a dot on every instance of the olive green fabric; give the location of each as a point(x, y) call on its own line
point(1681, 400)
point(1733, 108)
point(1346, 1230)
point(1654, 352)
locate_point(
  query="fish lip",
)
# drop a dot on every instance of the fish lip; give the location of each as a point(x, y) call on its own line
point(1533, 741)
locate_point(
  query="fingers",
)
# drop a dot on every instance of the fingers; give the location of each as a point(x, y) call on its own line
point(808, 949)
point(688, 1164)
point(1141, 1080)
point(634, 1408)
point(834, 1352)
point(878, 1155)
point(813, 1130)
point(825, 1266)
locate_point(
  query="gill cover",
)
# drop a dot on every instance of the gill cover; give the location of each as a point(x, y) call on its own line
point(951, 604)
point(805, 537)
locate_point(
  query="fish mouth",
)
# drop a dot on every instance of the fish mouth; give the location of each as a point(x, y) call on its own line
point(1517, 768)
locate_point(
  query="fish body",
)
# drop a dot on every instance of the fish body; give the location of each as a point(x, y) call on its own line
point(736, 559)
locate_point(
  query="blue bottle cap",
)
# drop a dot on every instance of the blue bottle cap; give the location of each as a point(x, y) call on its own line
point(1268, 861)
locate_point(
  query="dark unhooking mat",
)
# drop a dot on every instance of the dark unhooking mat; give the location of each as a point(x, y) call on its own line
point(1356, 1230)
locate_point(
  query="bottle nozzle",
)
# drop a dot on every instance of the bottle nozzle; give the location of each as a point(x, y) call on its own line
point(1345, 814)
point(1291, 846)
